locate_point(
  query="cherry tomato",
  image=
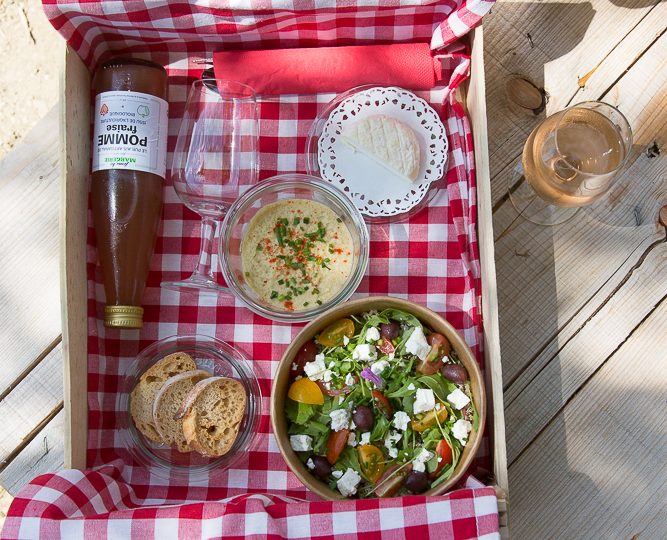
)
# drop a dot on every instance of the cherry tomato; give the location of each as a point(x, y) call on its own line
point(305, 391)
point(370, 460)
point(382, 403)
point(334, 391)
point(386, 346)
point(391, 481)
point(336, 443)
point(429, 419)
point(305, 354)
point(440, 348)
point(332, 335)
point(441, 341)
point(444, 452)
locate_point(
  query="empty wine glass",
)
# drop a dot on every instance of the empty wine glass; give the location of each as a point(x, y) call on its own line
point(215, 160)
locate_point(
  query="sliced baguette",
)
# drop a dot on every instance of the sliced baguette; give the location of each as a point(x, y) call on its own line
point(388, 142)
point(212, 414)
point(167, 403)
point(143, 394)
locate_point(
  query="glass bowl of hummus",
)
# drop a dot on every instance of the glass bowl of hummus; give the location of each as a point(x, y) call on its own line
point(292, 247)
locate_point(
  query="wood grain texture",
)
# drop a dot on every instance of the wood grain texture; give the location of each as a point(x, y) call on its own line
point(45, 453)
point(555, 45)
point(75, 160)
point(599, 468)
point(33, 399)
point(578, 358)
point(30, 315)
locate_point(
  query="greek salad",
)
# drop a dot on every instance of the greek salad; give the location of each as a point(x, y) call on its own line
point(379, 405)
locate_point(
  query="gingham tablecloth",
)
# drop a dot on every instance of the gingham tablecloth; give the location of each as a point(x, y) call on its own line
point(432, 259)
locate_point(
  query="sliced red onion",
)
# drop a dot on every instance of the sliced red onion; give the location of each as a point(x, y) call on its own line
point(367, 374)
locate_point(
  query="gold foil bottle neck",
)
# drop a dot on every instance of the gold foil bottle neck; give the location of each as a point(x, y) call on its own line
point(123, 317)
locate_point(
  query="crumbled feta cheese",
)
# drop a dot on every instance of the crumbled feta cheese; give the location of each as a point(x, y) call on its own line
point(365, 438)
point(458, 399)
point(364, 352)
point(337, 474)
point(353, 425)
point(301, 443)
point(389, 442)
point(347, 484)
point(401, 420)
point(372, 334)
point(294, 366)
point(439, 459)
point(379, 367)
point(438, 406)
point(315, 370)
point(349, 379)
point(445, 359)
point(460, 430)
point(346, 341)
point(340, 419)
point(424, 400)
point(417, 344)
point(310, 464)
point(352, 439)
point(418, 464)
point(391, 355)
point(331, 364)
point(327, 376)
point(341, 399)
point(298, 378)
point(411, 386)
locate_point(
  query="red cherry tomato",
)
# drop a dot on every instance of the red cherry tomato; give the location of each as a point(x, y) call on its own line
point(440, 348)
point(386, 346)
point(334, 391)
point(382, 403)
point(305, 354)
point(336, 444)
point(391, 481)
point(444, 452)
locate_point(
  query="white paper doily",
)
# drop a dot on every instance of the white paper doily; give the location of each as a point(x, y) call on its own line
point(374, 189)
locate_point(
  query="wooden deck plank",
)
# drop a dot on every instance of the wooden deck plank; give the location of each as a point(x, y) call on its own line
point(599, 468)
point(567, 42)
point(32, 401)
point(572, 365)
point(547, 276)
point(29, 278)
point(45, 453)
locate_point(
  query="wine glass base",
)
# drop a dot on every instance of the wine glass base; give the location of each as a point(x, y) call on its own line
point(190, 285)
point(533, 208)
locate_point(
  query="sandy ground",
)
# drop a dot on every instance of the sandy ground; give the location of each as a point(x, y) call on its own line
point(31, 53)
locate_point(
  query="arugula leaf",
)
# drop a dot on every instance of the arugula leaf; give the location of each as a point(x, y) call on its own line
point(349, 458)
point(299, 413)
point(408, 404)
point(435, 383)
point(401, 316)
point(380, 428)
point(403, 390)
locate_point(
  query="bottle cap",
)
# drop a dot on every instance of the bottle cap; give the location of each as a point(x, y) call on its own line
point(123, 316)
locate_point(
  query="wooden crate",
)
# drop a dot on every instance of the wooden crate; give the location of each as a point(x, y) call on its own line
point(75, 122)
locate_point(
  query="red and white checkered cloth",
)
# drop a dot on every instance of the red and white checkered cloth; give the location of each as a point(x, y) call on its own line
point(432, 259)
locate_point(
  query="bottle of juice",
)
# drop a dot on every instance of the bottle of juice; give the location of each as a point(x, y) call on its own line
point(129, 160)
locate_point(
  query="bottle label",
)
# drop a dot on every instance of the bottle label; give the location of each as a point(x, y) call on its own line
point(130, 132)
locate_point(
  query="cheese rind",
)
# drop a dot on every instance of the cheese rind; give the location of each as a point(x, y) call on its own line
point(387, 141)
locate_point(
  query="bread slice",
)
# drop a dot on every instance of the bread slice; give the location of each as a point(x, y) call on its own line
point(212, 414)
point(143, 394)
point(387, 141)
point(167, 403)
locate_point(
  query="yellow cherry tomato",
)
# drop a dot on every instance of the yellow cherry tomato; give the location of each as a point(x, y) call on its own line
point(371, 462)
point(429, 419)
point(306, 391)
point(332, 335)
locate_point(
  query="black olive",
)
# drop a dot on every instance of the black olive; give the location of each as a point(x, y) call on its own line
point(389, 330)
point(322, 468)
point(363, 418)
point(416, 482)
point(455, 373)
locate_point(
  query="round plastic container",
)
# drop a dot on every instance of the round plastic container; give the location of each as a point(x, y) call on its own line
point(212, 355)
point(289, 186)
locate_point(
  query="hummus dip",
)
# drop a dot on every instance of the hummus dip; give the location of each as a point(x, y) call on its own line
point(296, 254)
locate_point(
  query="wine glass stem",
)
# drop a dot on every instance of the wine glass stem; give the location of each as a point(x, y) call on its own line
point(203, 271)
